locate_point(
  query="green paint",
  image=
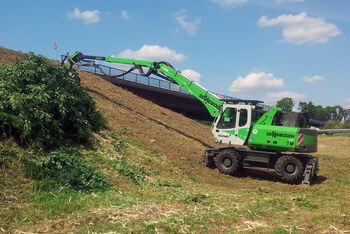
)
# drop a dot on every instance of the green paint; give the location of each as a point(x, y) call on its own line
point(212, 103)
point(267, 118)
point(130, 61)
point(243, 133)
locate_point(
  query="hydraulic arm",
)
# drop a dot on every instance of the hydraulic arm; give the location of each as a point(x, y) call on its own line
point(160, 69)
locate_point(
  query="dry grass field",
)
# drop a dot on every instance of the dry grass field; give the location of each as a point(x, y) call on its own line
point(162, 185)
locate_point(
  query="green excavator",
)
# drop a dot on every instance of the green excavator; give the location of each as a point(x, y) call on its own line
point(275, 139)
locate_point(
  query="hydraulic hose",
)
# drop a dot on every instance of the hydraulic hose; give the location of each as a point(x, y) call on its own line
point(139, 68)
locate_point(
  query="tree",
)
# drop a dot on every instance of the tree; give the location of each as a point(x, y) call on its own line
point(42, 106)
point(339, 113)
point(286, 104)
point(308, 106)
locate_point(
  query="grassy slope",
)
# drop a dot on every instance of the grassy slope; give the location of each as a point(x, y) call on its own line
point(179, 194)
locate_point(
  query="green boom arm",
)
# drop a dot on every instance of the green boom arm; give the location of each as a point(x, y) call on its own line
point(210, 100)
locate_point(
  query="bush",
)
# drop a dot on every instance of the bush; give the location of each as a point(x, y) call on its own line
point(42, 106)
point(64, 168)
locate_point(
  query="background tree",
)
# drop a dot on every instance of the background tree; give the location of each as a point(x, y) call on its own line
point(340, 114)
point(285, 103)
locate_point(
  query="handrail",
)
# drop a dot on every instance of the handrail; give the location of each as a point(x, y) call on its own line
point(134, 77)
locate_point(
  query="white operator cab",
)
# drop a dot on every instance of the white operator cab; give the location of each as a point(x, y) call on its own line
point(233, 124)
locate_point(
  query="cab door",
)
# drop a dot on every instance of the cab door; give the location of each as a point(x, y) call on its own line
point(232, 127)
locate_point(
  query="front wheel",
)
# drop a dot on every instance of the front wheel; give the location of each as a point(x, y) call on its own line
point(290, 169)
point(228, 162)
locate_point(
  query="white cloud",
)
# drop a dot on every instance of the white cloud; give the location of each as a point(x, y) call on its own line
point(301, 29)
point(256, 82)
point(190, 27)
point(285, 94)
point(272, 97)
point(192, 75)
point(229, 3)
point(313, 79)
point(88, 17)
point(156, 53)
point(124, 15)
point(153, 53)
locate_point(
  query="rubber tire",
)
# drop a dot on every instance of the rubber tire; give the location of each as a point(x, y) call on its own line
point(294, 164)
point(228, 162)
point(208, 161)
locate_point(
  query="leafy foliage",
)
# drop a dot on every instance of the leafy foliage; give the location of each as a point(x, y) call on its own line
point(336, 113)
point(42, 106)
point(286, 104)
point(117, 143)
point(135, 173)
point(64, 168)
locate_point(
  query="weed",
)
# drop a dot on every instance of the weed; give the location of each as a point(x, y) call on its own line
point(265, 207)
point(264, 191)
point(61, 200)
point(134, 173)
point(166, 183)
point(155, 153)
point(280, 230)
point(117, 143)
point(302, 202)
point(345, 180)
point(326, 158)
point(198, 198)
point(8, 153)
point(13, 214)
point(64, 168)
point(194, 178)
point(150, 228)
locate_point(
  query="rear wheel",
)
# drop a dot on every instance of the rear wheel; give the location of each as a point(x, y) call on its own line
point(228, 162)
point(208, 161)
point(290, 169)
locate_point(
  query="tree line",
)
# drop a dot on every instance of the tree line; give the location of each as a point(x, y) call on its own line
point(334, 114)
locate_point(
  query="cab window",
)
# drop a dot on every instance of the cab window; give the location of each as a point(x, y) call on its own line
point(243, 117)
point(228, 119)
point(256, 115)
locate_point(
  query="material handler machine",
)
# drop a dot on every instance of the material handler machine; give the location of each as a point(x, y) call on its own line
point(276, 139)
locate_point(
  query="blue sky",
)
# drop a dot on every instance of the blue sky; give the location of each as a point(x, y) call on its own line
point(256, 49)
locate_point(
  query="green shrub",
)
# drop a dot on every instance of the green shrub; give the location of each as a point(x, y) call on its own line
point(42, 106)
point(64, 168)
